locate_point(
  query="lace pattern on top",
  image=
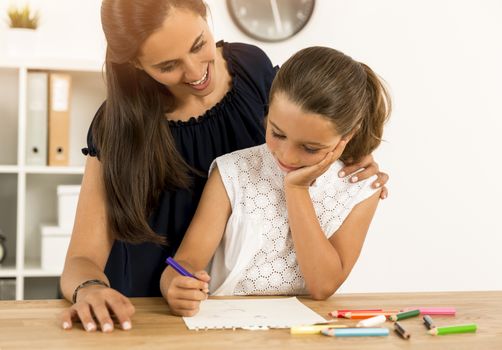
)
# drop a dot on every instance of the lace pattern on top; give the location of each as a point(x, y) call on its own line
point(254, 183)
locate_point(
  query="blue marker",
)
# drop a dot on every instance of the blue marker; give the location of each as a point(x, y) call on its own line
point(179, 269)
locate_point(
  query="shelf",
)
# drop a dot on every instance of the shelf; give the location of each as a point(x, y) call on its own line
point(65, 170)
point(9, 169)
point(7, 271)
point(28, 192)
point(54, 170)
point(56, 64)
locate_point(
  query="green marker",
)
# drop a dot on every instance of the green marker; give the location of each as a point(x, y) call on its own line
point(464, 328)
point(403, 315)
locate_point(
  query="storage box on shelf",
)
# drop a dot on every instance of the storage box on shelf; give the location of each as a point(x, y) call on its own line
point(67, 205)
point(28, 192)
point(55, 239)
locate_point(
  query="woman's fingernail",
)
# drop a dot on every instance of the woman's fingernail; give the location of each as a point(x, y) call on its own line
point(353, 179)
point(107, 327)
point(377, 185)
point(90, 327)
point(341, 174)
point(384, 196)
point(66, 325)
point(126, 325)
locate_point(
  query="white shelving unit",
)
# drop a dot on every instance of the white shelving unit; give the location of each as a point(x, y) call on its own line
point(28, 196)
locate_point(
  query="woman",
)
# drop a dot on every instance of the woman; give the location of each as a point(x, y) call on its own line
point(149, 155)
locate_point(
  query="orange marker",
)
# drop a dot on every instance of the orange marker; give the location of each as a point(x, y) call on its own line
point(341, 313)
point(363, 315)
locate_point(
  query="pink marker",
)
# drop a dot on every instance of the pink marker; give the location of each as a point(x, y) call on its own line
point(435, 310)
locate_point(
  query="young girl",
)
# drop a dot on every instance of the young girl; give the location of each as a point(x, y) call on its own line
point(276, 217)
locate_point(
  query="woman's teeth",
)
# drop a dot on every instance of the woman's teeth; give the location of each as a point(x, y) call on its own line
point(198, 82)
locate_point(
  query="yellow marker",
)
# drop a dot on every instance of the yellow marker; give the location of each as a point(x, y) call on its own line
point(314, 329)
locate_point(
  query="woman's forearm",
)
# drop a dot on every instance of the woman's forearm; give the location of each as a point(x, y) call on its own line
point(78, 270)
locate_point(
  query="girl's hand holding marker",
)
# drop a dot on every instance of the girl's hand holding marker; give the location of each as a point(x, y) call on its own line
point(186, 290)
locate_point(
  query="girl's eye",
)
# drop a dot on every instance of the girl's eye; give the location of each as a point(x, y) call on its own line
point(278, 136)
point(310, 150)
point(199, 47)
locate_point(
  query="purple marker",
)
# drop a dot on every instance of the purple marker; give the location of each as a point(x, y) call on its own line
point(179, 269)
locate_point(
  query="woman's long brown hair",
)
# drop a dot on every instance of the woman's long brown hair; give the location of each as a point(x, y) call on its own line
point(137, 151)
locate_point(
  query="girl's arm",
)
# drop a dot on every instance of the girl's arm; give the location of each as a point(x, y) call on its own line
point(326, 263)
point(87, 254)
point(205, 232)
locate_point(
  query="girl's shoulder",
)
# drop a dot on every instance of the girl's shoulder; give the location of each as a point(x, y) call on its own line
point(245, 159)
point(331, 185)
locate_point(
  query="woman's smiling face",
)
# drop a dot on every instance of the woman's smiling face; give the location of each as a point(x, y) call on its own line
point(181, 54)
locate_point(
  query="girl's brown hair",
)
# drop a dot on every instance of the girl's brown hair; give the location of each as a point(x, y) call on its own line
point(137, 151)
point(325, 81)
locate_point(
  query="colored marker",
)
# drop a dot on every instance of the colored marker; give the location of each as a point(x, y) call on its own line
point(355, 332)
point(401, 331)
point(341, 313)
point(372, 322)
point(179, 269)
point(464, 328)
point(404, 315)
point(314, 329)
point(429, 323)
point(447, 311)
point(363, 315)
point(450, 311)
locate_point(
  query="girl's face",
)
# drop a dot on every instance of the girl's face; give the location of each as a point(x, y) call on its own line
point(297, 138)
point(181, 55)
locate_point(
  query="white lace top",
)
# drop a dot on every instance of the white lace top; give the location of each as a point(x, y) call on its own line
point(257, 255)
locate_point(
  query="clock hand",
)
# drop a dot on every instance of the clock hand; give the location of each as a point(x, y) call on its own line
point(277, 17)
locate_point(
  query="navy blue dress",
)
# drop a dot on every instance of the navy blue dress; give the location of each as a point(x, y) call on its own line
point(236, 122)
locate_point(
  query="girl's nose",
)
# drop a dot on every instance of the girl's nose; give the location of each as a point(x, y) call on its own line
point(289, 156)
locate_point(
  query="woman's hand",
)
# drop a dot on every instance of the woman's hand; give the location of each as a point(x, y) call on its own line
point(184, 294)
point(370, 168)
point(305, 177)
point(99, 303)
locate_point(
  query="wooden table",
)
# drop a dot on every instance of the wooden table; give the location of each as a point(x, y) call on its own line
point(35, 325)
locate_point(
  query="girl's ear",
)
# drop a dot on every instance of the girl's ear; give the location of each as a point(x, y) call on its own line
point(351, 134)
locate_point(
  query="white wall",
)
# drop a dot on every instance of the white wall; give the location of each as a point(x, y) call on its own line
point(440, 227)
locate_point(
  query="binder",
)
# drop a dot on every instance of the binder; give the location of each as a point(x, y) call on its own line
point(59, 119)
point(36, 118)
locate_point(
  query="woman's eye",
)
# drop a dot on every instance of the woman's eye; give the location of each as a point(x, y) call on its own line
point(166, 69)
point(278, 136)
point(199, 47)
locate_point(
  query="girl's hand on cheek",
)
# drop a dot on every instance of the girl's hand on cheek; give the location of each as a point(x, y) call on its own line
point(305, 177)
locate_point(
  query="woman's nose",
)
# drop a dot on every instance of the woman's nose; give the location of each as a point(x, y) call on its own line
point(192, 71)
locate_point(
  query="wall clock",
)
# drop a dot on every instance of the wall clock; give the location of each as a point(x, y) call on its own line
point(271, 20)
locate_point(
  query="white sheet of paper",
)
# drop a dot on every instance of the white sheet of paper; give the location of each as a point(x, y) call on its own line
point(252, 313)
